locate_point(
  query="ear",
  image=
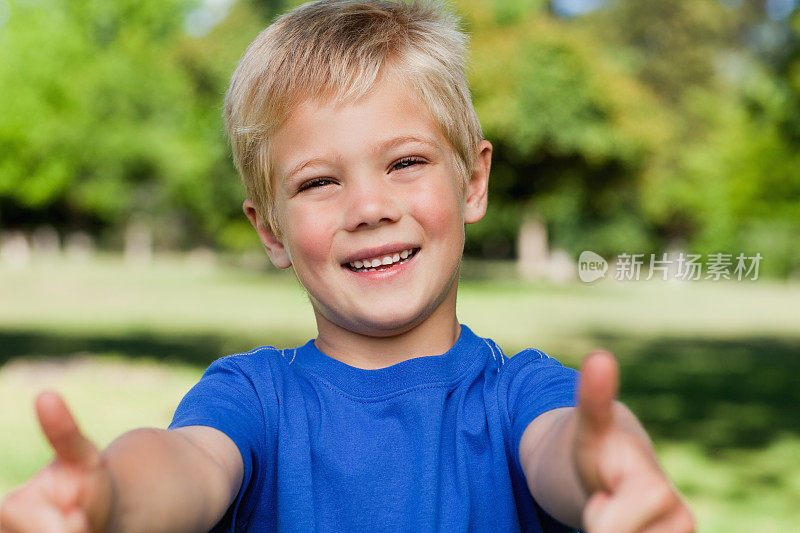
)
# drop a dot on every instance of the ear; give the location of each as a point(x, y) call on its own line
point(277, 252)
point(478, 186)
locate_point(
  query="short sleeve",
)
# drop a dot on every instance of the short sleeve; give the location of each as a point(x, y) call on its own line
point(534, 384)
point(226, 399)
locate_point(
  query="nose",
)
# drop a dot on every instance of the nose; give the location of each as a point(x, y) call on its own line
point(370, 203)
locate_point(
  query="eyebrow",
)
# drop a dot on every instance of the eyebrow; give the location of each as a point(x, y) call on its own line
point(381, 147)
point(391, 143)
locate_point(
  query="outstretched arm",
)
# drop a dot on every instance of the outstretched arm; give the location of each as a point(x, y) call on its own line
point(146, 480)
point(593, 466)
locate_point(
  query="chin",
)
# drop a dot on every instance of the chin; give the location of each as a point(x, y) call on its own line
point(386, 324)
point(389, 327)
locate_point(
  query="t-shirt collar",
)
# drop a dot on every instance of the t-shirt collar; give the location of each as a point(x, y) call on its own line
point(448, 367)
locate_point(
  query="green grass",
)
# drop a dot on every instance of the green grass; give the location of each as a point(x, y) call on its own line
point(710, 368)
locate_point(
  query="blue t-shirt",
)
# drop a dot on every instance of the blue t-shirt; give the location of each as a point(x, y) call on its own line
point(428, 444)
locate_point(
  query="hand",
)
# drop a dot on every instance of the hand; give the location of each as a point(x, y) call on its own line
point(628, 490)
point(73, 493)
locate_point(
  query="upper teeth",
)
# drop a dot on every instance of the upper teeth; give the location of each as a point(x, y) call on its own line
point(374, 262)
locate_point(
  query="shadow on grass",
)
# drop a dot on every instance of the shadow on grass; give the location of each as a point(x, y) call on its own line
point(193, 349)
point(717, 393)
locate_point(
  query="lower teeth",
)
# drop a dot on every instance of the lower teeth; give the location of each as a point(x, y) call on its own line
point(382, 267)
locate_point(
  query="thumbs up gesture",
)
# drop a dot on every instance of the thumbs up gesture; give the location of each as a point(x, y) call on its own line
point(71, 494)
point(628, 491)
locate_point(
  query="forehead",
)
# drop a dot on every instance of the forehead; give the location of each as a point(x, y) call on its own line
point(384, 118)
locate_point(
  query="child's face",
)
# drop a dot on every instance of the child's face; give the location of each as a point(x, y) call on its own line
point(371, 181)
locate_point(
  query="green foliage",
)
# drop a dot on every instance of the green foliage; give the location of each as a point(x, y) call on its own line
point(108, 112)
point(726, 176)
point(729, 181)
point(570, 130)
point(642, 126)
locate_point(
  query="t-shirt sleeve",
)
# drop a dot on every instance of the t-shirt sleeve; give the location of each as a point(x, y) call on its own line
point(226, 399)
point(535, 383)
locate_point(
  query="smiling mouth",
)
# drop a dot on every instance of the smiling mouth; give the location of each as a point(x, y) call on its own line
point(384, 262)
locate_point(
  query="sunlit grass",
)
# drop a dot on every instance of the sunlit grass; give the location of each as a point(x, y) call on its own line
point(179, 295)
point(745, 490)
point(107, 394)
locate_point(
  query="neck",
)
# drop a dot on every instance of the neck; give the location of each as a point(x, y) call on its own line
point(435, 335)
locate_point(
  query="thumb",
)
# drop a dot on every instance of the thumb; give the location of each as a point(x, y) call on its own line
point(596, 393)
point(598, 386)
point(62, 432)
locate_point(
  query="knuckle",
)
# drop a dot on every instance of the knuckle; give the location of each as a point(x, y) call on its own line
point(9, 503)
point(9, 507)
point(17, 506)
point(76, 522)
point(686, 521)
point(661, 499)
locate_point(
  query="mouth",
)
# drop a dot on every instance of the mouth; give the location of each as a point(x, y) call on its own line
point(382, 262)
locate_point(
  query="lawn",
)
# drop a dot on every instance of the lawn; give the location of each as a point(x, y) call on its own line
point(711, 368)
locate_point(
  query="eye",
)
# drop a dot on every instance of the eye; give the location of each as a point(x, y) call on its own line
point(408, 162)
point(314, 183)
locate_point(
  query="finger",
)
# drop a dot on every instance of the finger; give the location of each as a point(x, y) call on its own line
point(30, 513)
point(629, 511)
point(75, 521)
point(594, 509)
point(61, 430)
point(679, 521)
point(596, 392)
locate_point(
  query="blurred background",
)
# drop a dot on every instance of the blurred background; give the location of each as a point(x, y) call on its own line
point(619, 126)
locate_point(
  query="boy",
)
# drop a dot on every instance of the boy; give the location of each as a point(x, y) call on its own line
point(352, 127)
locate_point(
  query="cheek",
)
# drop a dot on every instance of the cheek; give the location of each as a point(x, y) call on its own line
point(439, 210)
point(308, 236)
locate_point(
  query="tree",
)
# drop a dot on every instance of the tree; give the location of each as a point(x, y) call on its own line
point(111, 112)
point(571, 130)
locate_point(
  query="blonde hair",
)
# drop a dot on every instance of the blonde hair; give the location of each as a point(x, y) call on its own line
point(336, 50)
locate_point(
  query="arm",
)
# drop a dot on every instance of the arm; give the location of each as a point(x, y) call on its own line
point(594, 466)
point(172, 480)
point(146, 480)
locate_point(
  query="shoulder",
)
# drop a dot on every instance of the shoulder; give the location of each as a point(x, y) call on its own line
point(492, 350)
point(237, 394)
point(505, 365)
point(531, 361)
point(255, 361)
point(251, 377)
point(528, 368)
point(535, 356)
point(533, 381)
